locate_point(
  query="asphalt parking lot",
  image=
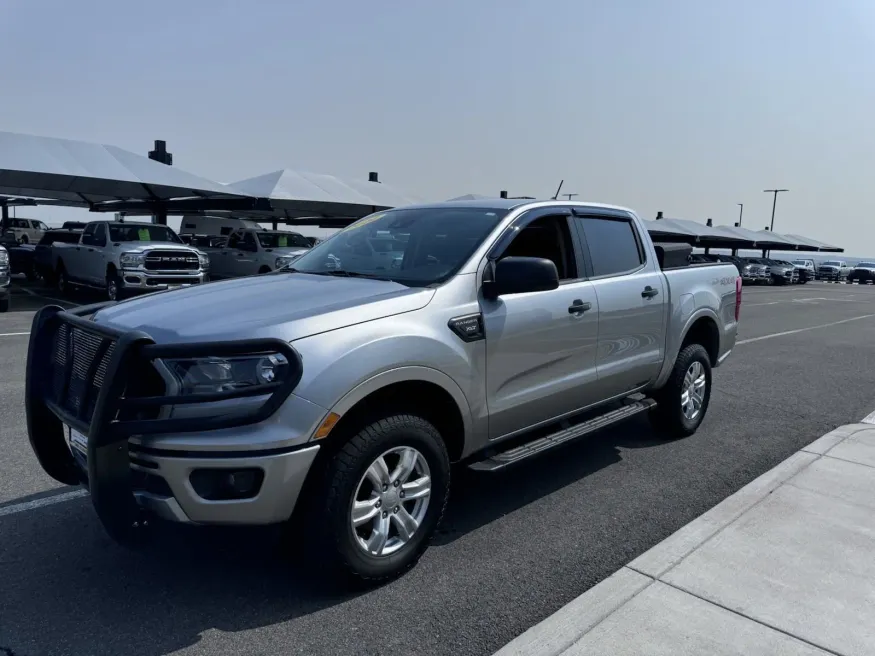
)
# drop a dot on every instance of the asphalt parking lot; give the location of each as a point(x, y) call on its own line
point(514, 546)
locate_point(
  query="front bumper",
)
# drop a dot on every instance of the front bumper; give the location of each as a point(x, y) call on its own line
point(95, 380)
point(138, 280)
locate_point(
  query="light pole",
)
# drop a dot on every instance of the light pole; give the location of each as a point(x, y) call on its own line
point(740, 212)
point(774, 202)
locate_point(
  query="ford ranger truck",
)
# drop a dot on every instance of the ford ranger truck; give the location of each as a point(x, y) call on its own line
point(335, 394)
point(127, 258)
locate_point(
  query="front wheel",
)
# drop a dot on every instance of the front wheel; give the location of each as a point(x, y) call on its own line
point(113, 287)
point(683, 402)
point(384, 495)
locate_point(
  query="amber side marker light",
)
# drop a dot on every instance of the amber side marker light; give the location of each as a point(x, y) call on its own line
point(327, 424)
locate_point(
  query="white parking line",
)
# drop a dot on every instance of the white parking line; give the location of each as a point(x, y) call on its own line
point(868, 419)
point(802, 330)
point(30, 292)
point(41, 503)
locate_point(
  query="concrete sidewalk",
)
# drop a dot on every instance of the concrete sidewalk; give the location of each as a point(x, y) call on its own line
point(786, 565)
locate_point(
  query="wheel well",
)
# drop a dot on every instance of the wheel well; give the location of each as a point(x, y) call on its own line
point(704, 331)
point(60, 265)
point(110, 268)
point(264, 269)
point(427, 400)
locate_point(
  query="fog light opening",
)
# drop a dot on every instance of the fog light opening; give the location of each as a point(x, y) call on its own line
point(226, 484)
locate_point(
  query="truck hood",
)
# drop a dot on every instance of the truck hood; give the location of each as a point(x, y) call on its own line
point(284, 305)
point(143, 246)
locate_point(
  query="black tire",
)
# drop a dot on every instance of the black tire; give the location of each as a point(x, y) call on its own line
point(61, 281)
point(668, 417)
point(4, 305)
point(113, 286)
point(24, 240)
point(333, 497)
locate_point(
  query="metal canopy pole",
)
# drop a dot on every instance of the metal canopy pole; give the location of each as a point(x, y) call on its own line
point(160, 154)
point(4, 221)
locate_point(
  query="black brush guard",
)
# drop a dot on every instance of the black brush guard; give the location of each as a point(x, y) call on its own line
point(88, 376)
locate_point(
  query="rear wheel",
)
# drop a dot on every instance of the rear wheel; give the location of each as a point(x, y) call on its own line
point(24, 240)
point(61, 281)
point(683, 402)
point(382, 498)
point(4, 305)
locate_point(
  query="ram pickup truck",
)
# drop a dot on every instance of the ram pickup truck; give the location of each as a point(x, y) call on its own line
point(834, 271)
point(252, 251)
point(862, 273)
point(4, 280)
point(334, 394)
point(126, 258)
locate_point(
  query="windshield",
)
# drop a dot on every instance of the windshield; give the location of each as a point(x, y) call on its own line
point(142, 232)
point(832, 263)
point(414, 247)
point(801, 262)
point(280, 239)
point(868, 265)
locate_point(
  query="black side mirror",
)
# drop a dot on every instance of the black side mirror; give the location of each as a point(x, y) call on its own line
point(518, 275)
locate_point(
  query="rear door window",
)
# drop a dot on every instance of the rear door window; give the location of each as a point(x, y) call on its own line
point(613, 245)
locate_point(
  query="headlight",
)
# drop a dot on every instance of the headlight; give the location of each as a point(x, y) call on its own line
point(203, 260)
point(747, 268)
point(285, 260)
point(4, 257)
point(132, 259)
point(209, 375)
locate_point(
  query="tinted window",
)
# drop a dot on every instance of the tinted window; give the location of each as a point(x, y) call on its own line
point(613, 247)
point(121, 232)
point(415, 246)
point(282, 239)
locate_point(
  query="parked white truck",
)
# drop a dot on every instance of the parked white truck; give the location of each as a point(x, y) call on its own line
point(252, 251)
point(125, 258)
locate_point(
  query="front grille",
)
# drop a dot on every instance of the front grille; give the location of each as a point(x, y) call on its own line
point(78, 366)
point(77, 370)
point(171, 261)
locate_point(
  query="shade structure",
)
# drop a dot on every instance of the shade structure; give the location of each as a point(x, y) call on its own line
point(813, 243)
point(701, 234)
point(296, 194)
point(662, 230)
point(79, 173)
point(772, 240)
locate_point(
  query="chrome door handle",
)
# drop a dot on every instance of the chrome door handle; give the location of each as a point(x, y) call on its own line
point(579, 307)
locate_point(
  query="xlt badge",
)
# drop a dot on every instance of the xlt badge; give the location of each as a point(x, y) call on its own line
point(469, 327)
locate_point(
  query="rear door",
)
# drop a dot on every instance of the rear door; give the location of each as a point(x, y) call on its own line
point(632, 300)
point(541, 346)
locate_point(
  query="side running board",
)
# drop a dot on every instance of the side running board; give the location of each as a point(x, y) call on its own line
point(515, 454)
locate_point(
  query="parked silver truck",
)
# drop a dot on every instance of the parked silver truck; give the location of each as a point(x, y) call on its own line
point(249, 251)
point(5, 273)
point(126, 258)
point(333, 395)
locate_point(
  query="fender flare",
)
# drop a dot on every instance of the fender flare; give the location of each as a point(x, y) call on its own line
point(407, 374)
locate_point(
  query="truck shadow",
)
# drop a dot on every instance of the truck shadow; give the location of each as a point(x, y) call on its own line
point(65, 583)
point(501, 493)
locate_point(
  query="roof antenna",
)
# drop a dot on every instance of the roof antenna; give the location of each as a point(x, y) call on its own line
point(556, 195)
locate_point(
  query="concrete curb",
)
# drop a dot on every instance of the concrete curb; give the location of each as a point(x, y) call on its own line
point(570, 623)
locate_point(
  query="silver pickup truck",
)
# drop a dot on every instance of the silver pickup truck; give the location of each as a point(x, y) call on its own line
point(125, 258)
point(334, 395)
point(251, 251)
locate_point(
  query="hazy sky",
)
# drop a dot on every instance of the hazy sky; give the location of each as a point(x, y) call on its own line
point(684, 106)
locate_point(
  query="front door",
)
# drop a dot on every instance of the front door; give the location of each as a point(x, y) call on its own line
point(632, 303)
point(541, 346)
